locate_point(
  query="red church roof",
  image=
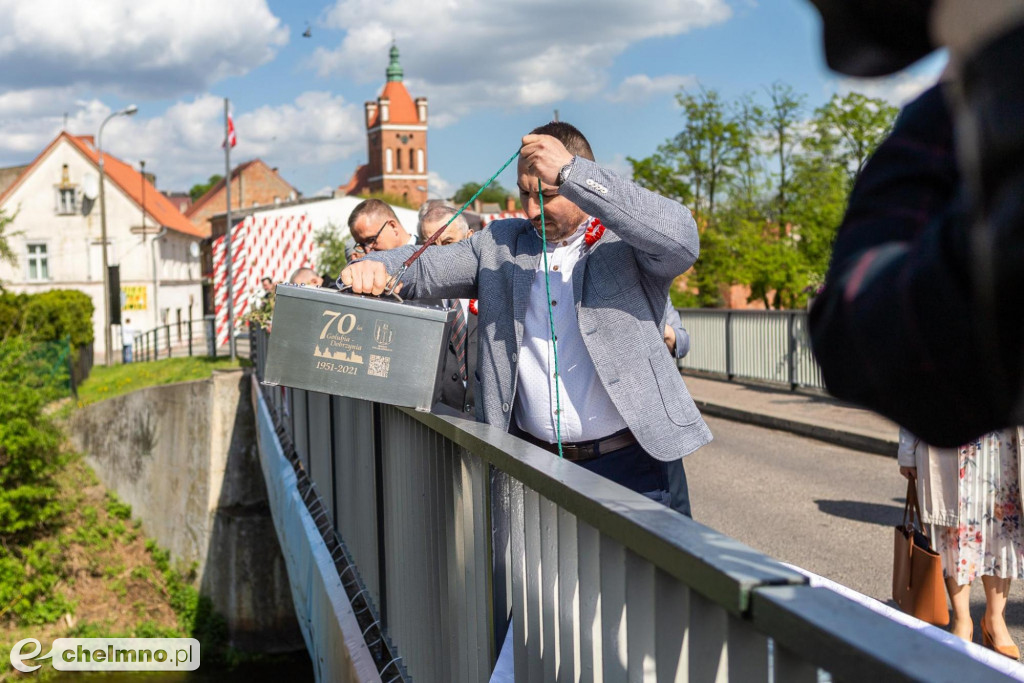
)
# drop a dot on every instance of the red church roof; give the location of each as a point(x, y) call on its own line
point(401, 108)
point(359, 181)
point(125, 177)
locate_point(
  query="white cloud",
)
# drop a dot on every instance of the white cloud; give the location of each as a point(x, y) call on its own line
point(620, 165)
point(182, 144)
point(438, 186)
point(487, 53)
point(899, 88)
point(896, 90)
point(137, 49)
point(640, 87)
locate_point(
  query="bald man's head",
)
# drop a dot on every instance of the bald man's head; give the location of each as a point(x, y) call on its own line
point(306, 276)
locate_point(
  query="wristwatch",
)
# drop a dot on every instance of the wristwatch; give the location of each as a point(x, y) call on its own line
point(563, 174)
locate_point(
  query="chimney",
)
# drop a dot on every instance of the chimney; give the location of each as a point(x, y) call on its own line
point(421, 109)
point(371, 111)
point(510, 203)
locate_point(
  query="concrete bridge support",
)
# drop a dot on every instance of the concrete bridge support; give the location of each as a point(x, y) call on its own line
point(184, 457)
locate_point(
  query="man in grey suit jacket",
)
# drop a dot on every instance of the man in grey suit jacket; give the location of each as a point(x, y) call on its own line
point(677, 339)
point(626, 412)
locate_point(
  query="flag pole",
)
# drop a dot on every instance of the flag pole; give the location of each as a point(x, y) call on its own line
point(227, 234)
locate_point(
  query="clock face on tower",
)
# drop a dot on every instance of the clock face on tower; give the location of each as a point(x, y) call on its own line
point(405, 139)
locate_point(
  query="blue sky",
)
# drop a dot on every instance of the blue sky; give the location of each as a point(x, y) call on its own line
point(492, 69)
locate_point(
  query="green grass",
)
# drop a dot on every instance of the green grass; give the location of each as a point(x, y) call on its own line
point(108, 381)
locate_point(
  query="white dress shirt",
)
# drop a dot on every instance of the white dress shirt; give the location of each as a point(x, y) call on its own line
point(587, 411)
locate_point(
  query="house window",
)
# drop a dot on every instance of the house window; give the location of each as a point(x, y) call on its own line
point(66, 203)
point(387, 160)
point(412, 164)
point(398, 159)
point(38, 262)
point(419, 161)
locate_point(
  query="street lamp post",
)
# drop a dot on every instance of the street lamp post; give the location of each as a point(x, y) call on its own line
point(108, 356)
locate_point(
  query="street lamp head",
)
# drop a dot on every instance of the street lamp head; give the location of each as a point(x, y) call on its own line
point(129, 110)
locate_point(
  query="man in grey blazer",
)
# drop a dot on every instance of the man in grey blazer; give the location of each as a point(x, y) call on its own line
point(625, 411)
point(677, 339)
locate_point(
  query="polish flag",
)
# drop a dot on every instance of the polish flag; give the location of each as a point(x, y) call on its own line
point(231, 138)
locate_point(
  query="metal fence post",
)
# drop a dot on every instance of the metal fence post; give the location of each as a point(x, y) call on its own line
point(167, 337)
point(378, 466)
point(190, 337)
point(791, 349)
point(728, 345)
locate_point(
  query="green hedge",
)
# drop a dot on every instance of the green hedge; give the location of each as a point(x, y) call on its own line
point(48, 316)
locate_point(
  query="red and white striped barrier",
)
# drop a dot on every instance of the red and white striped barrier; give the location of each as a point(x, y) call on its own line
point(260, 247)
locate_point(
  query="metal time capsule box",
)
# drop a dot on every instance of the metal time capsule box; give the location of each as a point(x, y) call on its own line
point(358, 346)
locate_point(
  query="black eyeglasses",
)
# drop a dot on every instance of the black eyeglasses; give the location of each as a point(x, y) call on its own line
point(367, 247)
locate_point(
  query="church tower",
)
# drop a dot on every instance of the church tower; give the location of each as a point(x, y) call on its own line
point(396, 139)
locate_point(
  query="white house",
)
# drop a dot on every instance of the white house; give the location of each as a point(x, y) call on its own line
point(56, 209)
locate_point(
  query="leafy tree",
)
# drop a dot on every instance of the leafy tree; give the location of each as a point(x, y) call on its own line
point(199, 189)
point(781, 118)
point(849, 127)
point(331, 247)
point(660, 173)
point(494, 194)
point(708, 148)
point(768, 187)
point(6, 250)
point(774, 267)
point(748, 184)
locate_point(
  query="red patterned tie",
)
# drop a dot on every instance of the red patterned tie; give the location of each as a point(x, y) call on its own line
point(459, 337)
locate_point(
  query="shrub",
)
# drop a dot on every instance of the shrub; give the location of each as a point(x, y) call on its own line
point(59, 314)
point(28, 582)
point(30, 455)
point(12, 312)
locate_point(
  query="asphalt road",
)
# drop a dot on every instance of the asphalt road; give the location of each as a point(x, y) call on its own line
point(827, 509)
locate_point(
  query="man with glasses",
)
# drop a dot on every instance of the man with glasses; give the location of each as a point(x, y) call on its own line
point(375, 227)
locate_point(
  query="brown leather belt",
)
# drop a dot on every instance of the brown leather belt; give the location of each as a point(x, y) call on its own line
point(587, 450)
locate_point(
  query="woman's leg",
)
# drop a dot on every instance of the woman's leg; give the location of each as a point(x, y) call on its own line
point(960, 598)
point(996, 592)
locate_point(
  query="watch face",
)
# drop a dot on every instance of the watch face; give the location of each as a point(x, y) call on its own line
point(563, 174)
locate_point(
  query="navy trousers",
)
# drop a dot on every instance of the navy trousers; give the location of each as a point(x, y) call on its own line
point(636, 470)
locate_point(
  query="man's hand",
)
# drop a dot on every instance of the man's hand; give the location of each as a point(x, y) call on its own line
point(366, 277)
point(909, 472)
point(544, 157)
point(670, 339)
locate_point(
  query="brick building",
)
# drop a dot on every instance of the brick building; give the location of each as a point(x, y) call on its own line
point(396, 143)
point(252, 184)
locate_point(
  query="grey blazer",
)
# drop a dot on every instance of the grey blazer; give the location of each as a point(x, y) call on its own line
point(682, 336)
point(620, 290)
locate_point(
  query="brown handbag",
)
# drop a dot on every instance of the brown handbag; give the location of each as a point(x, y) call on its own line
point(917, 585)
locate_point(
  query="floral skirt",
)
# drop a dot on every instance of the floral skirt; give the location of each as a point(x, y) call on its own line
point(990, 539)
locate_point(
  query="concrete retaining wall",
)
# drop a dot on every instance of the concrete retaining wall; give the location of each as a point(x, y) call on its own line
point(184, 456)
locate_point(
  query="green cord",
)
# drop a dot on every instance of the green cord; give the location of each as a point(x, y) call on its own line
point(551, 318)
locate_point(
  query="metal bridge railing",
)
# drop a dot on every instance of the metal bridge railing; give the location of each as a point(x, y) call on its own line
point(456, 526)
point(181, 339)
point(767, 346)
point(184, 338)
